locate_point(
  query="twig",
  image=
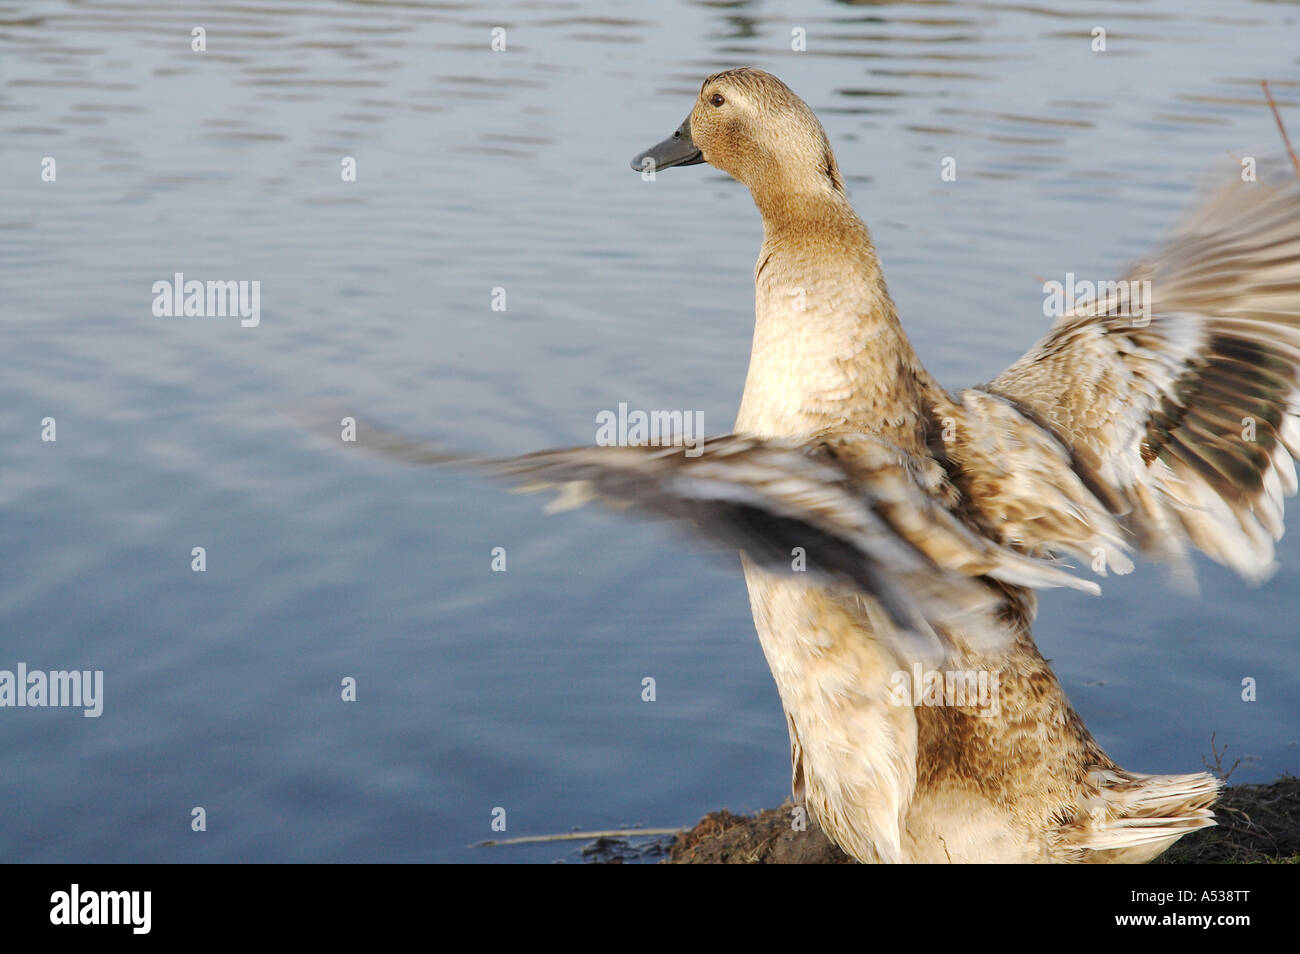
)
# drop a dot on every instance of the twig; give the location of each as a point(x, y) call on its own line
point(1217, 767)
point(576, 836)
point(1281, 128)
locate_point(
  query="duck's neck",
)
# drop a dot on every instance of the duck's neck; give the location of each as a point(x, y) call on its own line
point(828, 350)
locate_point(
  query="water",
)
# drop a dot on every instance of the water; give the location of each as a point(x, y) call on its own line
point(480, 170)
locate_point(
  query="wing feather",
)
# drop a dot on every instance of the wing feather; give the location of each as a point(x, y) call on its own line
point(852, 503)
point(1185, 423)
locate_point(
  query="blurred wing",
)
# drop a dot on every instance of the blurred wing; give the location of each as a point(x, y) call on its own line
point(1182, 416)
point(847, 510)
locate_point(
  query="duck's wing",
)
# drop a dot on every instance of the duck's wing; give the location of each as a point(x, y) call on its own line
point(1180, 418)
point(845, 510)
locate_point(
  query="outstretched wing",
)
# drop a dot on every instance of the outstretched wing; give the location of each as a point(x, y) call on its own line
point(1181, 416)
point(847, 509)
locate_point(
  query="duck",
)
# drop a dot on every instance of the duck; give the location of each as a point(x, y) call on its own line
point(894, 533)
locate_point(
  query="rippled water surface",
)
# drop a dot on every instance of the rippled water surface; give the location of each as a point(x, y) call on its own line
point(479, 170)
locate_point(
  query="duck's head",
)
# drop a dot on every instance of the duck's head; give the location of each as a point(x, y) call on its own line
point(749, 124)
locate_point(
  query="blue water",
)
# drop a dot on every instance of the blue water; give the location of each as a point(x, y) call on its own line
point(479, 170)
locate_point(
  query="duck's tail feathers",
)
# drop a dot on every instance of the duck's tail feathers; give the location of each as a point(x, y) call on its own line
point(1137, 816)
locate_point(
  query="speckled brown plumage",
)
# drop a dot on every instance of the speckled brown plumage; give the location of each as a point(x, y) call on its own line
point(1024, 463)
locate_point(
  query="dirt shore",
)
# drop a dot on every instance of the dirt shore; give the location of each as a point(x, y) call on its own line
point(1257, 824)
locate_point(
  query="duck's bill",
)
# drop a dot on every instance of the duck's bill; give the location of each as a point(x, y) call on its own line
point(679, 149)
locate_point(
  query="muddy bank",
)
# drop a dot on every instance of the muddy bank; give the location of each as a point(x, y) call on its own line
point(1257, 824)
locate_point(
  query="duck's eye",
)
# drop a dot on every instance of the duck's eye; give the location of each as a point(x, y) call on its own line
point(716, 99)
